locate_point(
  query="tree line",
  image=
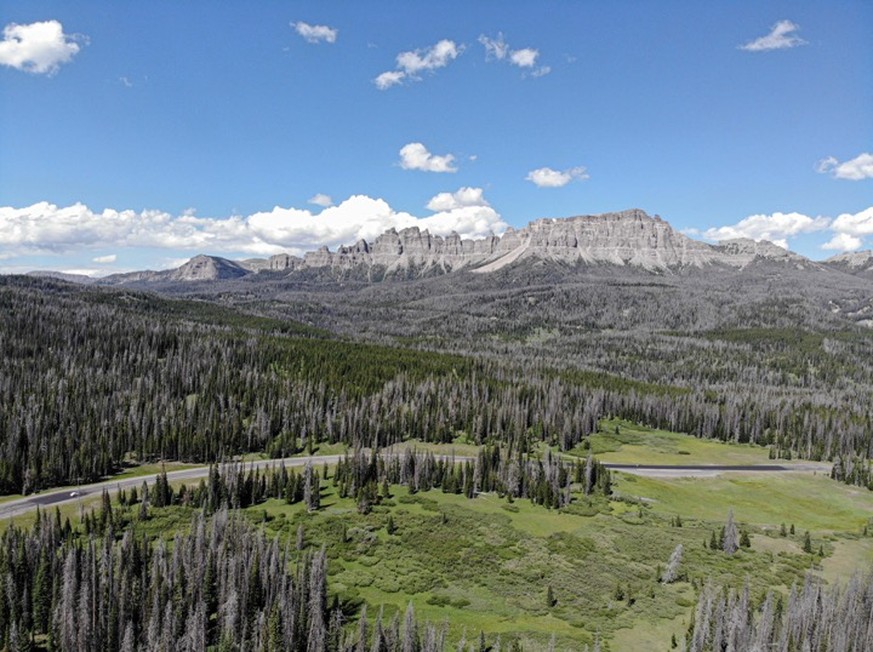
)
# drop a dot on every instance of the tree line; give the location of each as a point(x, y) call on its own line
point(544, 481)
point(222, 586)
point(813, 618)
point(89, 379)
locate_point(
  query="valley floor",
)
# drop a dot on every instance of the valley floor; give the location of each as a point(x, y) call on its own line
point(522, 573)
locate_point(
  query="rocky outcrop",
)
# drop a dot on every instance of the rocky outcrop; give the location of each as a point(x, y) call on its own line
point(206, 268)
point(409, 249)
point(277, 263)
point(630, 238)
point(627, 238)
point(741, 252)
point(199, 268)
point(858, 263)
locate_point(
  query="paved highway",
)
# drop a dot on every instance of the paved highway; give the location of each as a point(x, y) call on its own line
point(53, 497)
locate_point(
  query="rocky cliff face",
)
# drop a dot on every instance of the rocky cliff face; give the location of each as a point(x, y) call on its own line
point(859, 263)
point(408, 249)
point(744, 251)
point(627, 238)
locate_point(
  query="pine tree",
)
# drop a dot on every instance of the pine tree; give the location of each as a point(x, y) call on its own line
point(551, 600)
point(362, 631)
point(42, 595)
point(410, 633)
point(672, 570)
point(731, 538)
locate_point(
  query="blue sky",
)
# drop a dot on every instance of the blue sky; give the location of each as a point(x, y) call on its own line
point(139, 134)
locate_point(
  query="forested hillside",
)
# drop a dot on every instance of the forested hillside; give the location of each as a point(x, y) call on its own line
point(90, 377)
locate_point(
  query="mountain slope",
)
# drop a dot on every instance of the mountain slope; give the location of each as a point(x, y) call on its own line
point(857, 263)
point(628, 238)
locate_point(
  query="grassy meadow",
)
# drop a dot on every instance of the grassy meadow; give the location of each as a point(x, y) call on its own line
point(521, 573)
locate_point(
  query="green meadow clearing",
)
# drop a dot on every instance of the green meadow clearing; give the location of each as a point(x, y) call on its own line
point(488, 565)
point(521, 573)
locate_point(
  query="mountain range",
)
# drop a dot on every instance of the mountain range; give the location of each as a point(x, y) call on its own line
point(628, 238)
point(624, 270)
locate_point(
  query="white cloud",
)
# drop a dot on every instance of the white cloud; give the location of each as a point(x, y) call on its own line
point(494, 48)
point(776, 228)
point(438, 56)
point(843, 242)
point(410, 64)
point(414, 156)
point(549, 178)
point(126, 82)
point(524, 58)
point(38, 48)
point(860, 167)
point(781, 37)
point(856, 224)
point(315, 33)
point(388, 79)
point(463, 197)
point(320, 199)
point(105, 260)
point(498, 49)
point(45, 228)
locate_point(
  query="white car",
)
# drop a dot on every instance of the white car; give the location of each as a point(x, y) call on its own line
point(73, 494)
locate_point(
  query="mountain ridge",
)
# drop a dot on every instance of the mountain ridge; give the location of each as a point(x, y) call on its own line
point(629, 238)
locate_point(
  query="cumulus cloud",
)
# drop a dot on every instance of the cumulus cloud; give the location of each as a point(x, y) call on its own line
point(860, 167)
point(315, 33)
point(843, 242)
point(105, 260)
point(411, 64)
point(39, 48)
point(45, 228)
point(497, 49)
point(781, 37)
point(524, 58)
point(858, 224)
point(389, 78)
point(549, 178)
point(320, 199)
point(415, 156)
point(461, 198)
point(776, 228)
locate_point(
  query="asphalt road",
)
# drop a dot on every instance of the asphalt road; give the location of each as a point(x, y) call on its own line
point(699, 467)
point(52, 497)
